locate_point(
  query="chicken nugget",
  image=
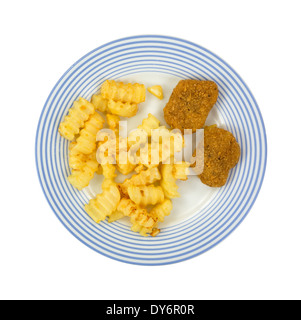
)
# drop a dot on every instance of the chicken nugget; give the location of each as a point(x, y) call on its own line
point(221, 154)
point(190, 104)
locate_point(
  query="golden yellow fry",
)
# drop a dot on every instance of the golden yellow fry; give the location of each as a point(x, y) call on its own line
point(75, 120)
point(124, 166)
point(113, 122)
point(99, 170)
point(168, 182)
point(180, 170)
point(115, 216)
point(161, 210)
point(139, 168)
point(125, 169)
point(108, 171)
point(80, 179)
point(118, 91)
point(144, 178)
point(104, 204)
point(123, 109)
point(86, 142)
point(107, 184)
point(144, 231)
point(155, 232)
point(146, 195)
point(76, 159)
point(157, 91)
point(99, 102)
point(142, 221)
point(150, 123)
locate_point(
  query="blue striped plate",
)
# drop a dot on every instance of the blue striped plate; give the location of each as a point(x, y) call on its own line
point(203, 216)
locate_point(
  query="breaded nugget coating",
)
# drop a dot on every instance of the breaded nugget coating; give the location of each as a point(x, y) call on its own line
point(221, 154)
point(190, 104)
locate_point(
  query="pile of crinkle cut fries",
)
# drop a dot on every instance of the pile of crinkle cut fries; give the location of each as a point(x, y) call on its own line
point(97, 148)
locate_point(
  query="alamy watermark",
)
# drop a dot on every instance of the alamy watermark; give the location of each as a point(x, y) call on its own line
point(159, 145)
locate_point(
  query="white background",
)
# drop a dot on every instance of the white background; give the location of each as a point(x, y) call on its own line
point(39, 42)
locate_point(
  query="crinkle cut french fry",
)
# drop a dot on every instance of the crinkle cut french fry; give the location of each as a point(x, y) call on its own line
point(146, 177)
point(146, 195)
point(118, 91)
point(113, 122)
point(141, 220)
point(80, 179)
point(86, 142)
point(75, 120)
point(123, 109)
point(161, 210)
point(181, 170)
point(168, 182)
point(108, 171)
point(126, 168)
point(150, 123)
point(99, 102)
point(139, 168)
point(76, 159)
point(104, 204)
point(115, 216)
point(155, 232)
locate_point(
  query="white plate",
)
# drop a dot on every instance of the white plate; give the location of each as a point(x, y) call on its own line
point(203, 216)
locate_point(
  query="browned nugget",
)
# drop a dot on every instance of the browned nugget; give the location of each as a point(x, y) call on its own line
point(190, 104)
point(221, 154)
